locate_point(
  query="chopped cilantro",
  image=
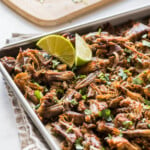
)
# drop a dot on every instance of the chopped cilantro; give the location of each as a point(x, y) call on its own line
point(83, 91)
point(69, 129)
point(37, 106)
point(106, 114)
point(99, 31)
point(137, 80)
point(47, 56)
point(148, 125)
point(36, 83)
point(87, 112)
point(55, 99)
point(108, 119)
point(104, 77)
point(127, 71)
point(139, 60)
point(81, 76)
point(93, 147)
point(127, 123)
point(74, 68)
point(103, 148)
point(146, 107)
point(100, 113)
point(109, 136)
point(143, 120)
point(147, 102)
point(121, 135)
point(107, 76)
point(45, 89)
point(55, 63)
point(147, 86)
point(84, 97)
point(38, 94)
point(127, 51)
point(123, 129)
point(78, 144)
point(61, 91)
point(74, 102)
point(129, 59)
point(122, 74)
point(144, 36)
point(146, 43)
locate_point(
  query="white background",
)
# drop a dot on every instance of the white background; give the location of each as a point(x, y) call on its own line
point(10, 22)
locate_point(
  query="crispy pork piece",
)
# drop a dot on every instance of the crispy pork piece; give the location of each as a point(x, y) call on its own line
point(86, 81)
point(131, 106)
point(107, 128)
point(58, 76)
point(143, 124)
point(124, 120)
point(91, 141)
point(137, 30)
point(76, 117)
point(113, 103)
point(31, 96)
point(120, 143)
point(144, 143)
point(96, 107)
point(70, 99)
point(22, 80)
point(91, 92)
point(137, 133)
point(67, 129)
point(47, 111)
point(94, 65)
point(132, 95)
point(9, 63)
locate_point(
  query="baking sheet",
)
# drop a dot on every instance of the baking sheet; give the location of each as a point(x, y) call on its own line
point(13, 49)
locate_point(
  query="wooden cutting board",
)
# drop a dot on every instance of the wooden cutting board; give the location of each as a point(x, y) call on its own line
point(52, 12)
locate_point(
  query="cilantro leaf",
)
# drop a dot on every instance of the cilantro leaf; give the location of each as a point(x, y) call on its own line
point(137, 80)
point(69, 129)
point(127, 51)
point(87, 112)
point(74, 102)
point(127, 123)
point(37, 106)
point(146, 43)
point(122, 74)
point(84, 97)
point(144, 36)
point(38, 94)
point(148, 126)
point(104, 77)
point(81, 76)
point(147, 102)
point(129, 59)
point(78, 144)
point(99, 31)
point(55, 63)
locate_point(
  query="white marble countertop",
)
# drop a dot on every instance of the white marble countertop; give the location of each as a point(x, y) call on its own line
point(13, 23)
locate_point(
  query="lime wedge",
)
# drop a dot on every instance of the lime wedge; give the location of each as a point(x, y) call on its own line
point(58, 46)
point(83, 52)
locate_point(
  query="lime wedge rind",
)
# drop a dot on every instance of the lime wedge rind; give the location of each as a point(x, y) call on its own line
point(83, 52)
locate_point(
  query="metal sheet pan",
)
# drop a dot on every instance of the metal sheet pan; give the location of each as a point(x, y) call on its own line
point(13, 49)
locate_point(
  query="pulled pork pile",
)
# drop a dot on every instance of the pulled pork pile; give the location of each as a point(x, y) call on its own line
point(104, 104)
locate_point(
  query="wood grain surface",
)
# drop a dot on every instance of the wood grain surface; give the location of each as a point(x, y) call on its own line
point(52, 12)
